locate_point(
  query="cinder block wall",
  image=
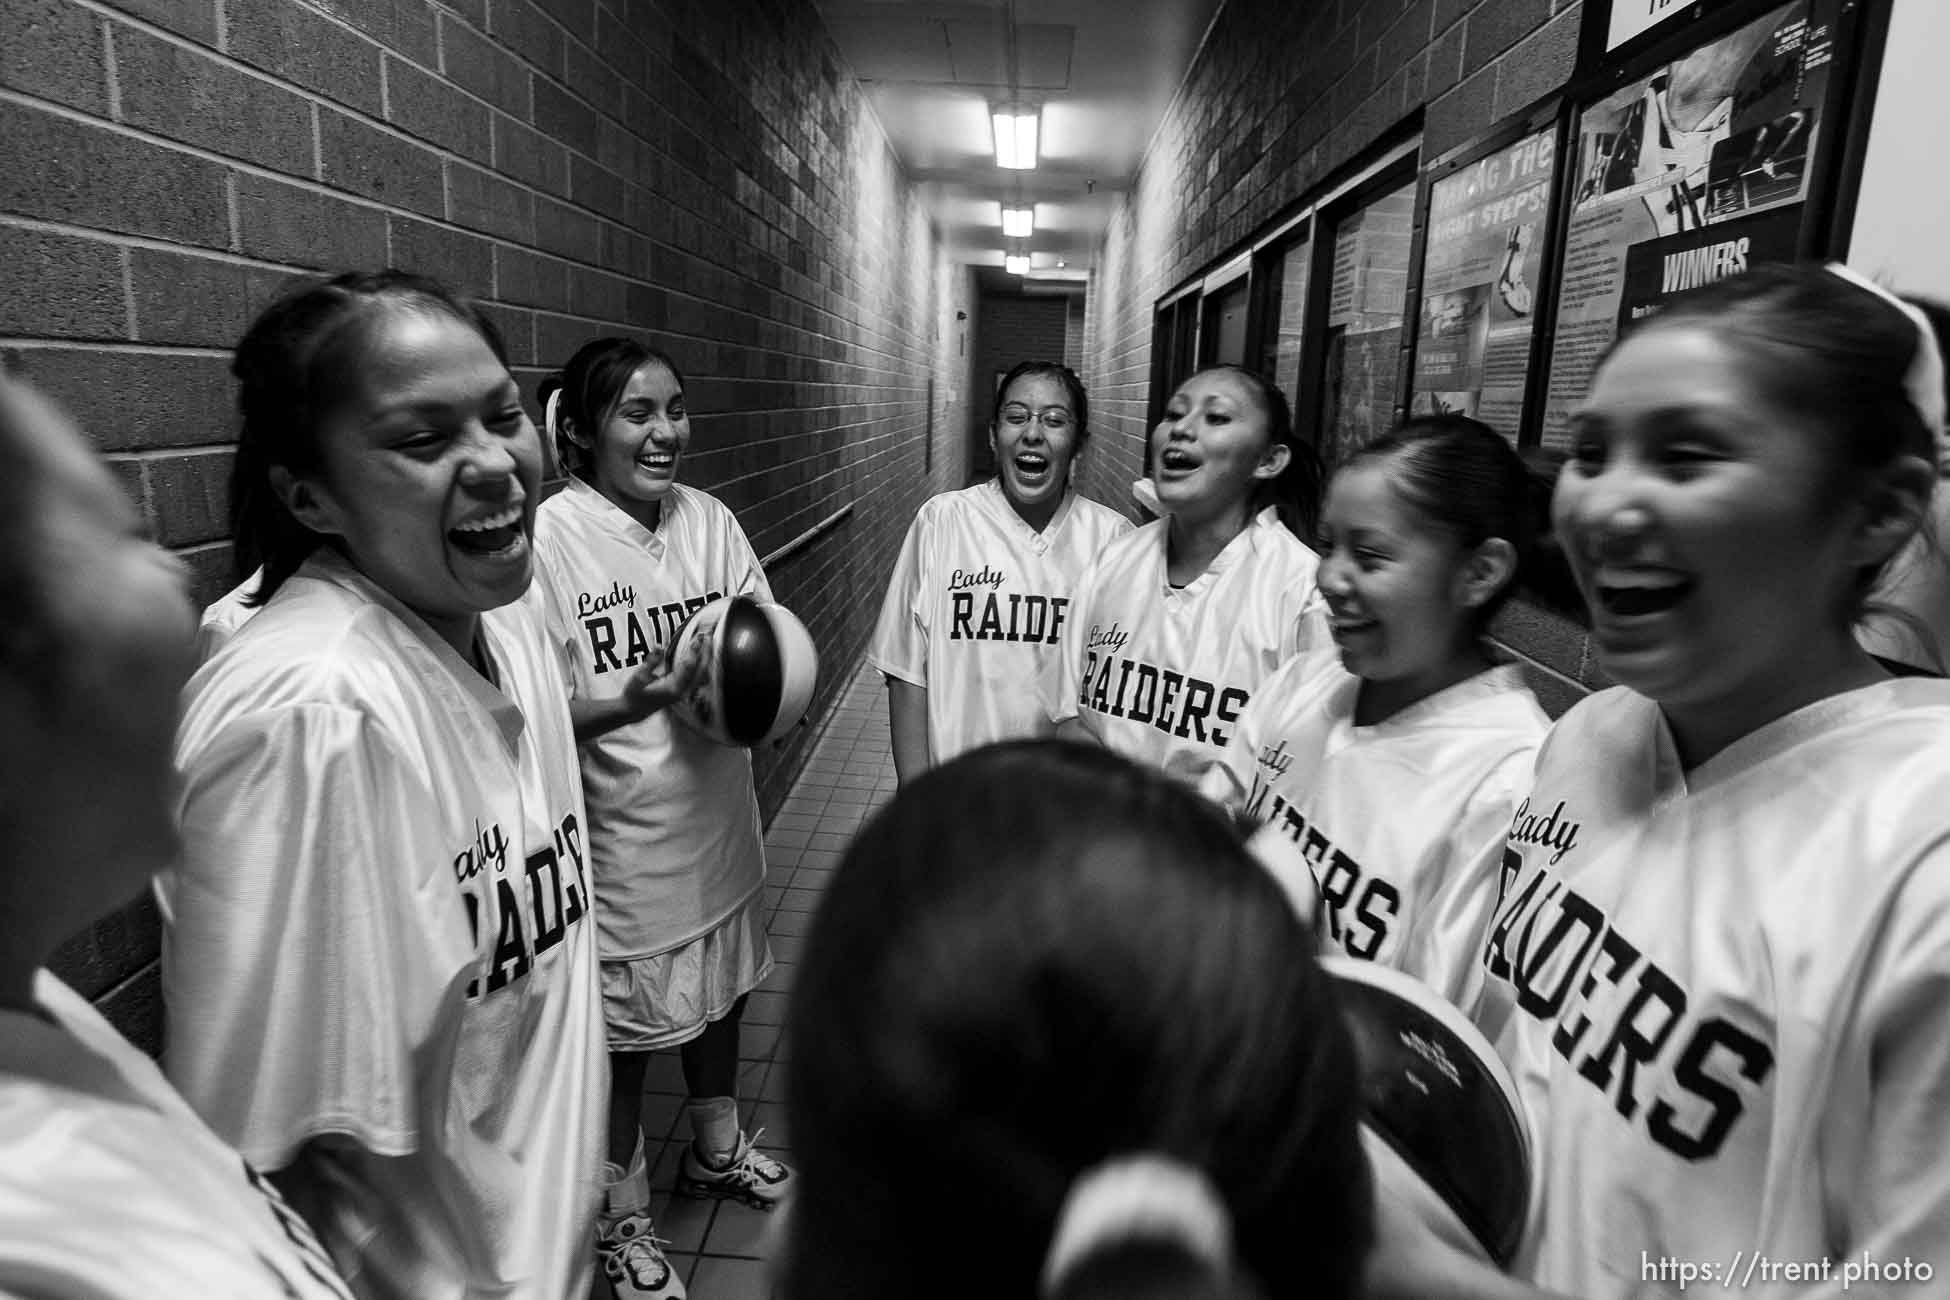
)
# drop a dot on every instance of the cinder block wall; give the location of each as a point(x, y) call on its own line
point(1281, 96)
point(703, 172)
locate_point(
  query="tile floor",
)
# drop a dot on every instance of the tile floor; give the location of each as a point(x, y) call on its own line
point(718, 1246)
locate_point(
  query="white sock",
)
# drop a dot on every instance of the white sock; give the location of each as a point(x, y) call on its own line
point(626, 1191)
point(714, 1126)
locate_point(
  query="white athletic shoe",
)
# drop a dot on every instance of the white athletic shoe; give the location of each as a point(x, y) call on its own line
point(633, 1260)
point(747, 1175)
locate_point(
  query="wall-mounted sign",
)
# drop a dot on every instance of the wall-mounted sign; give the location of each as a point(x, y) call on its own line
point(1482, 264)
point(1675, 173)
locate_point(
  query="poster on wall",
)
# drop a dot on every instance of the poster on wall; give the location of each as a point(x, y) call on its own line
point(1482, 262)
point(1364, 323)
point(1686, 176)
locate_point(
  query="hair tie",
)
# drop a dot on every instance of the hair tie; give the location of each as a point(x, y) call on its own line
point(549, 412)
point(1924, 382)
point(1142, 1196)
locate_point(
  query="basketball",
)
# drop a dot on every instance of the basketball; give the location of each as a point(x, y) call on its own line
point(759, 670)
point(1442, 1123)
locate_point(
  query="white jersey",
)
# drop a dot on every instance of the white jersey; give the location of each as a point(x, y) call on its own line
point(976, 608)
point(223, 616)
point(378, 935)
point(112, 1188)
point(674, 832)
point(1161, 673)
point(1725, 996)
point(1402, 822)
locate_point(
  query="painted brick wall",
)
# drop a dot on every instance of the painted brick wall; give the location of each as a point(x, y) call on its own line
point(1279, 98)
point(706, 172)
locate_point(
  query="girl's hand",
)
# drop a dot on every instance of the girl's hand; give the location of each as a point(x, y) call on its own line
point(666, 679)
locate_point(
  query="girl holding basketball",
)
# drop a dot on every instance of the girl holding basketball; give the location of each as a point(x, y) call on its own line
point(1175, 625)
point(1395, 761)
point(96, 646)
point(628, 554)
point(378, 960)
point(1721, 958)
point(982, 588)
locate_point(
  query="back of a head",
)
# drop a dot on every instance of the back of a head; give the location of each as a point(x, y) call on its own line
point(1038, 958)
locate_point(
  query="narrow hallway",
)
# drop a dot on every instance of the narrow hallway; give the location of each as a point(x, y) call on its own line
point(717, 1246)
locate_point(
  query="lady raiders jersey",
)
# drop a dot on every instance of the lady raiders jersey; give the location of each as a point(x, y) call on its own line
point(111, 1187)
point(1725, 994)
point(378, 935)
point(674, 824)
point(1161, 673)
point(976, 609)
point(1401, 823)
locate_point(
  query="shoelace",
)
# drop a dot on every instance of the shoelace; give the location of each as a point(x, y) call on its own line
point(749, 1163)
point(642, 1256)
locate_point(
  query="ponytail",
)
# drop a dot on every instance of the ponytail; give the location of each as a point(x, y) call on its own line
point(1143, 1226)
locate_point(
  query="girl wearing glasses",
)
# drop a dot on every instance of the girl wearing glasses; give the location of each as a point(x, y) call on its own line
point(1174, 627)
point(981, 592)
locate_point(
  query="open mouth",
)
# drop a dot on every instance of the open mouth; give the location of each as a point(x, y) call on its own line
point(1176, 460)
point(658, 463)
point(1636, 595)
point(498, 534)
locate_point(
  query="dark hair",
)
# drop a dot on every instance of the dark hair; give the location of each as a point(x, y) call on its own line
point(292, 368)
point(1062, 374)
point(1295, 491)
point(1463, 478)
point(590, 385)
point(1826, 348)
point(1038, 956)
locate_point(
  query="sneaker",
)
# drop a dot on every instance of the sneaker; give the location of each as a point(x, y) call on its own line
point(747, 1175)
point(633, 1260)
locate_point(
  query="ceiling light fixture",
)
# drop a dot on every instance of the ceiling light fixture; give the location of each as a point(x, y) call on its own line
point(1015, 139)
point(1016, 263)
point(1018, 223)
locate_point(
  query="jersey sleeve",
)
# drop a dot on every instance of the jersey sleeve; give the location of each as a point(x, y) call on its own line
point(1306, 627)
point(747, 575)
point(1891, 1188)
point(1444, 945)
point(1063, 671)
point(900, 636)
point(315, 936)
point(558, 625)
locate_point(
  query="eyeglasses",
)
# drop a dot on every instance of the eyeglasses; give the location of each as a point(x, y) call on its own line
point(1053, 418)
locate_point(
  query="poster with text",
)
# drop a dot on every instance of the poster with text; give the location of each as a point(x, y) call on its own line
point(1481, 264)
point(1712, 139)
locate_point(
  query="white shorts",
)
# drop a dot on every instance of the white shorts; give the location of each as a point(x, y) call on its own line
point(651, 1003)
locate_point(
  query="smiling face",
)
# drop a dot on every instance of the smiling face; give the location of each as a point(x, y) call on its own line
point(1035, 438)
point(429, 471)
point(1704, 525)
point(1213, 447)
point(1399, 603)
point(640, 442)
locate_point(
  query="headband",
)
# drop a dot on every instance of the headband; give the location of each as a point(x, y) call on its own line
point(1924, 382)
point(548, 412)
point(1140, 1196)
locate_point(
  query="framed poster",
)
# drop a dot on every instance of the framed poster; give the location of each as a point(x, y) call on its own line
point(1482, 280)
point(1687, 174)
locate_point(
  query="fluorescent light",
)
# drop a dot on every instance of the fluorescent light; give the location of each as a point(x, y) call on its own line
point(1016, 263)
point(1015, 140)
point(1018, 223)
